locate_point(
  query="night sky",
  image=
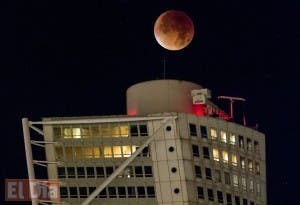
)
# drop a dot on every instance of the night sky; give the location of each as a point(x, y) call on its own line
point(76, 58)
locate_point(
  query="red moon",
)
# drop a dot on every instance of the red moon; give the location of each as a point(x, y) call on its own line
point(174, 30)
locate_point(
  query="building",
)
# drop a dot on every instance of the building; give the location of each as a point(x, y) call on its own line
point(174, 147)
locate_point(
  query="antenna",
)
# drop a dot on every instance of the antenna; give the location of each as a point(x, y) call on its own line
point(232, 99)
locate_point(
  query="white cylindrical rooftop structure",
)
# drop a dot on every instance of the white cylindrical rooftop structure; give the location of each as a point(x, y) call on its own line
point(158, 96)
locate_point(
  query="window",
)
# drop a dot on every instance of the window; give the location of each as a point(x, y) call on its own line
point(200, 192)
point(91, 189)
point(83, 192)
point(257, 168)
point(250, 165)
point(63, 192)
point(216, 154)
point(61, 172)
point(258, 188)
point(198, 171)
point(213, 133)
point(223, 137)
point(232, 139)
point(210, 194)
point(73, 192)
point(220, 197)
point(134, 131)
point(143, 130)
point(108, 152)
point(100, 172)
point(235, 180)
point(138, 171)
point(256, 146)
point(241, 141)
point(228, 199)
point(103, 193)
point(109, 171)
point(193, 129)
point(141, 192)
point(59, 152)
point(117, 151)
point(243, 164)
point(148, 171)
point(208, 173)
point(218, 177)
point(131, 192)
point(251, 203)
point(249, 144)
point(128, 172)
point(245, 202)
point(225, 156)
point(150, 192)
point(122, 192)
point(244, 184)
point(195, 149)
point(205, 152)
point(80, 172)
point(90, 171)
point(251, 185)
point(71, 172)
point(237, 200)
point(234, 159)
point(227, 178)
point(203, 131)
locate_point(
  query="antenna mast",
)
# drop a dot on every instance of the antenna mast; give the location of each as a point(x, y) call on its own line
point(232, 99)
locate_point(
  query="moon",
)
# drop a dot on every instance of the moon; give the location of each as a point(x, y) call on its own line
point(174, 30)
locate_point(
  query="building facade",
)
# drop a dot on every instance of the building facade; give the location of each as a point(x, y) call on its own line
point(186, 156)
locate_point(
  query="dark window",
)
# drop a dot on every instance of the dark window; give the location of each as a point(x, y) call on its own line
point(131, 192)
point(90, 171)
point(150, 192)
point(245, 202)
point(229, 199)
point(134, 131)
point(73, 192)
point(227, 178)
point(91, 189)
point(71, 172)
point(109, 171)
point(63, 192)
point(203, 131)
point(80, 172)
point(143, 130)
point(237, 200)
point(148, 171)
point(122, 192)
point(195, 149)
point(220, 197)
point(249, 144)
point(100, 172)
point(61, 172)
point(193, 129)
point(138, 171)
point(251, 203)
point(210, 194)
point(241, 141)
point(208, 173)
point(256, 146)
point(198, 171)
point(56, 131)
point(83, 192)
point(206, 152)
point(145, 152)
point(112, 192)
point(103, 193)
point(218, 177)
point(200, 192)
point(141, 192)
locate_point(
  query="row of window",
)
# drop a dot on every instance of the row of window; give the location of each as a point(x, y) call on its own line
point(225, 137)
point(100, 130)
point(227, 158)
point(90, 152)
point(222, 198)
point(228, 179)
point(109, 192)
point(102, 172)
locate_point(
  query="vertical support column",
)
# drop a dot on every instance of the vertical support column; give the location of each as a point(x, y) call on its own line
point(29, 159)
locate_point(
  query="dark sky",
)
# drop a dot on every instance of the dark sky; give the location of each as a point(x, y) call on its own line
point(74, 58)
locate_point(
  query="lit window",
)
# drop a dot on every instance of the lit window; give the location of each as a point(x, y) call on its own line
point(78, 154)
point(193, 129)
point(108, 152)
point(117, 151)
point(220, 197)
point(126, 151)
point(225, 156)
point(69, 152)
point(200, 192)
point(203, 131)
point(76, 133)
point(250, 165)
point(115, 130)
point(244, 185)
point(234, 159)
point(84, 132)
point(241, 141)
point(235, 180)
point(59, 152)
point(213, 133)
point(95, 130)
point(227, 178)
point(232, 139)
point(88, 152)
point(251, 185)
point(243, 164)
point(67, 133)
point(249, 144)
point(206, 152)
point(210, 194)
point(105, 130)
point(96, 152)
point(223, 137)
point(216, 154)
